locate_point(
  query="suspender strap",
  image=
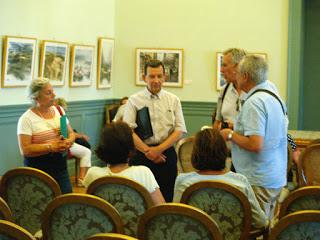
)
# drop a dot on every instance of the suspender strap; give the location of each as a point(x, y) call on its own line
point(272, 94)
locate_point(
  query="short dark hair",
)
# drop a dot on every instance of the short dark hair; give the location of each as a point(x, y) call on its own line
point(153, 63)
point(123, 99)
point(116, 143)
point(209, 151)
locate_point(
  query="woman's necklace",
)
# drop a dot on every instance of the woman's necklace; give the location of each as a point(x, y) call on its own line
point(51, 123)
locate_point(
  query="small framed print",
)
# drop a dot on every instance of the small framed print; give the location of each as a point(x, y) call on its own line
point(220, 78)
point(105, 62)
point(53, 61)
point(18, 61)
point(81, 63)
point(172, 60)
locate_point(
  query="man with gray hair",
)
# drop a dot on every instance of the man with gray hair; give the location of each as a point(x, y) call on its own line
point(228, 104)
point(259, 140)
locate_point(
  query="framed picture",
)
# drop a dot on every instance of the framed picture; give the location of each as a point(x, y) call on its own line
point(18, 61)
point(172, 60)
point(81, 62)
point(220, 78)
point(53, 61)
point(105, 62)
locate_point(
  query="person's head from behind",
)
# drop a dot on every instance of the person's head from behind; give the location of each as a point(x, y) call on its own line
point(253, 70)
point(61, 102)
point(41, 92)
point(154, 75)
point(231, 59)
point(209, 151)
point(123, 100)
point(116, 143)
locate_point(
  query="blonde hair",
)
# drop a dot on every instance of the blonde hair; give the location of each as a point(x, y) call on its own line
point(61, 102)
point(35, 87)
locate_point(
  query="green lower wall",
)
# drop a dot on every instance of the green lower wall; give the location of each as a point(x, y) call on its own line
point(87, 117)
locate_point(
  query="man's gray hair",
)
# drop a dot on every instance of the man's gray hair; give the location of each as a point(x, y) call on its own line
point(256, 67)
point(236, 54)
point(35, 87)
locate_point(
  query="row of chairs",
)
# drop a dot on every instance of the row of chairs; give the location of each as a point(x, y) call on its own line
point(27, 196)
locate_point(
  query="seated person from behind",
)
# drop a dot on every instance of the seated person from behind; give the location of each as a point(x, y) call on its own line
point(209, 158)
point(120, 111)
point(115, 148)
point(80, 148)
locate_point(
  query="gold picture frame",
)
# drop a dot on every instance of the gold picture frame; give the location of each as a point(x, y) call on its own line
point(53, 61)
point(81, 65)
point(18, 61)
point(172, 60)
point(105, 62)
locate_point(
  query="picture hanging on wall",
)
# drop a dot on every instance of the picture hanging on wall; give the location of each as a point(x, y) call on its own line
point(81, 63)
point(220, 78)
point(53, 61)
point(105, 62)
point(18, 61)
point(172, 60)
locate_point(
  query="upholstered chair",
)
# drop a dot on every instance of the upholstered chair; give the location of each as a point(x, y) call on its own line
point(28, 191)
point(111, 236)
point(227, 205)
point(184, 149)
point(305, 198)
point(297, 226)
point(77, 216)
point(11, 231)
point(5, 212)
point(129, 197)
point(177, 221)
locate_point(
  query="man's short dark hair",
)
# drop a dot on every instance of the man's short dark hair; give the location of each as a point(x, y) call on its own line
point(153, 63)
point(116, 143)
point(209, 151)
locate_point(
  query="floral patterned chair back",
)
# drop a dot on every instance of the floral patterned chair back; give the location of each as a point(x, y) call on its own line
point(305, 198)
point(111, 236)
point(296, 226)
point(226, 204)
point(5, 212)
point(28, 191)
point(76, 216)
point(177, 221)
point(11, 231)
point(184, 149)
point(129, 197)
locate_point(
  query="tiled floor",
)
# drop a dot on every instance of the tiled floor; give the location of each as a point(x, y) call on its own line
point(77, 189)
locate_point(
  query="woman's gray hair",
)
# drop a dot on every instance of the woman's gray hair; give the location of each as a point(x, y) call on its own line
point(237, 54)
point(256, 67)
point(35, 87)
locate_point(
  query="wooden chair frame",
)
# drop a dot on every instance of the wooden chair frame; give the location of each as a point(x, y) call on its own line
point(230, 189)
point(43, 176)
point(108, 108)
point(14, 231)
point(5, 210)
point(296, 194)
point(121, 181)
point(178, 148)
point(301, 165)
point(294, 218)
point(80, 198)
point(179, 209)
point(110, 236)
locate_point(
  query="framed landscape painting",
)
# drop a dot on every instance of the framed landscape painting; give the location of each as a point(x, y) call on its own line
point(105, 62)
point(53, 61)
point(172, 60)
point(18, 61)
point(220, 78)
point(81, 63)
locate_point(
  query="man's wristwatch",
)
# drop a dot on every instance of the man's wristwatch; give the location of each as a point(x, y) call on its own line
point(230, 134)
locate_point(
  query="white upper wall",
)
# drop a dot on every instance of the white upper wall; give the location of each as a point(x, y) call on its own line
point(72, 21)
point(201, 28)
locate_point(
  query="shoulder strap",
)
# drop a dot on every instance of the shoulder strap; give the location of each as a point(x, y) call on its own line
point(224, 92)
point(272, 94)
point(59, 110)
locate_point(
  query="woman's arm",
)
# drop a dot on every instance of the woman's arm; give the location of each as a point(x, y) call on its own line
point(157, 197)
